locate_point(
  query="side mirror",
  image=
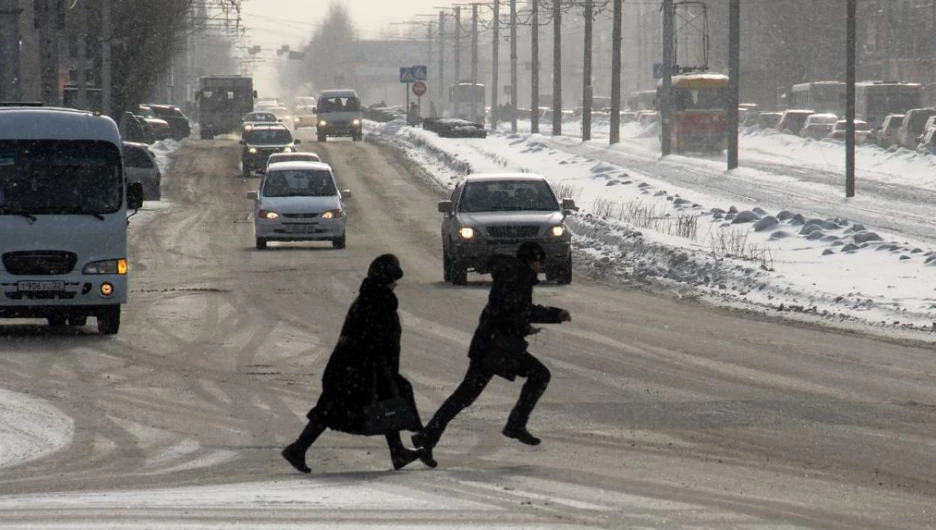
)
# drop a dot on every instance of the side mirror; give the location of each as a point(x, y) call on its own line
point(297, 141)
point(314, 110)
point(134, 195)
point(445, 207)
point(345, 193)
point(243, 142)
point(254, 93)
point(569, 204)
point(253, 195)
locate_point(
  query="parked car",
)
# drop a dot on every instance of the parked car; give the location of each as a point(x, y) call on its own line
point(141, 166)
point(454, 128)
point(768, 120)
point(887, 134)
point(792, 120)
point(862, 131)
point(911, 127)
point(159, 126)
point(261, 141)
point(928, 142)
point(296, 156)
point(818, 126)
point(491, 214)
point(299, 201)
point(179, 126)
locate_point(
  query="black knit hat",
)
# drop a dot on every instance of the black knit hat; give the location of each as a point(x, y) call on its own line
point(385, 269)
point(531, 251)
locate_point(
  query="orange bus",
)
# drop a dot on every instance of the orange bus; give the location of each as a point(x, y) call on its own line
point(699, 118)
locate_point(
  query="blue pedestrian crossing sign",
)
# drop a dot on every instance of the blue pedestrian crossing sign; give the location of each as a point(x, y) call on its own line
point(411, 74)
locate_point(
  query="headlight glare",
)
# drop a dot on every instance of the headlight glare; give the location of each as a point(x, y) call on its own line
point(466, 232)
point(322, 123)
point(287, 149)
point(109, 266)
point(252, 150)
point(267, 214)
point(356, 123)
point(557, 230)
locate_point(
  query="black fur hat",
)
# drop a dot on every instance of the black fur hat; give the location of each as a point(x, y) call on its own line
point(531, 251)
point(385, 269)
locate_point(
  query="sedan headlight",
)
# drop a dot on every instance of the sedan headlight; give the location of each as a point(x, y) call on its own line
point(356, 123)
point(287, 149)
point(248, 128)
point(333, 214)
point(109, 266)
point(252, 150)
point(322, 123)
point(557, 231)
point(466, 232)
point(267, 214)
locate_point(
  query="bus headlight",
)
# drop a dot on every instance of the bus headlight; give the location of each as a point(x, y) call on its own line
point(108, 266)
point(557, 231)
point(466, 232)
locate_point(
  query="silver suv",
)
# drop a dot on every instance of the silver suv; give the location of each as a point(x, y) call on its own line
point(493, 213)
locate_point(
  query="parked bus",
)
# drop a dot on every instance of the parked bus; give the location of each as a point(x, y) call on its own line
point(874, 100)
point(466, 101)
point(222, 101)
point(824, 97)
point(699, 117)
point(64, 200)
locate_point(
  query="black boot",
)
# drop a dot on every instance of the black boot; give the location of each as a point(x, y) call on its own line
point(400, 456)
point(294, 453)
point(296, 458)
point(425, 450)
point(521, 435)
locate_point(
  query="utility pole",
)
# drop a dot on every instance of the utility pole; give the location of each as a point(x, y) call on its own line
point(513, 65)
point(81, 101)
point(457, 44)
point(734, 79)
point(616, 38)
point(587, 72)
point(557, 69)
point(106, 56)
point(442, 90)
point(850, 63)
point(495, 48)
point(534, 82)
point(9, 50)
point(48, 52)
point(665, 140)
point(474, 44)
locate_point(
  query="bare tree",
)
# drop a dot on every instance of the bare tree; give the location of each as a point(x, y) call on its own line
point(332, 49)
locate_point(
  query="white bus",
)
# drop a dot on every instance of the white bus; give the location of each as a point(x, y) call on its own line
point(63, 217)
point(466, 101)
point(824, 97)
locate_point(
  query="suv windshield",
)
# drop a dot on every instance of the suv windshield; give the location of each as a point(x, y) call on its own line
point(268, 137)
point(299, 183)
point(508, 196)
point(58, 177)
point(338, 104)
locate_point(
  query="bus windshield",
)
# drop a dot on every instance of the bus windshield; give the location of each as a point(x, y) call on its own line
point(60, 177)
point(700, 98)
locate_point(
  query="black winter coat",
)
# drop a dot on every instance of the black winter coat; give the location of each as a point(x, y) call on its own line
point(508, 316)
point(365, 364)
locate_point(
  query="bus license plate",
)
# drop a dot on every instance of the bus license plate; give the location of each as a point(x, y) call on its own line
point(40, 285)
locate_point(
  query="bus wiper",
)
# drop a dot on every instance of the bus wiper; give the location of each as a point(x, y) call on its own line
point(96, 215)
point(27, 215)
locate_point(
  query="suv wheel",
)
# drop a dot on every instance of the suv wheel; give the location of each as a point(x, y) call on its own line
point(322, 138)
point(458, 273)
point(562, 274)
point(446, 267)
point(261, 243)
point(339, 242)
point(245, 169)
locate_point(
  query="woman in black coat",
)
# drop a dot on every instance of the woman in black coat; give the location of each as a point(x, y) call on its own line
point(363, 368)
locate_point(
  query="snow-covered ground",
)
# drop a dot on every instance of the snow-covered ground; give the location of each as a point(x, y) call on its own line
point(776, 235)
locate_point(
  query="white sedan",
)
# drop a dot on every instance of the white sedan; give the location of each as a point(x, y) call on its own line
point(299, 201)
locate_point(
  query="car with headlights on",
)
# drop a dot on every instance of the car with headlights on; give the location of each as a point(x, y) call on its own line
point(261, 141)
point(299, 201)
point(295, 156)
point(490, 214)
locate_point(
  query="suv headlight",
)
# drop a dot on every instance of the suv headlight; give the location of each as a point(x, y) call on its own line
point(356, 123)
point(108, 266)
point(557, 231)
point(466, 232)
point(267, 214)
point(252, 150)
point(322, 123)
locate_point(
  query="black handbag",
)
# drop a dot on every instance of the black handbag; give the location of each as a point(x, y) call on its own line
point(394, 413)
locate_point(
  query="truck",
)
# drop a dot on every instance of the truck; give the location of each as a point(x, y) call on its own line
point(222, 101)
point(64, 203)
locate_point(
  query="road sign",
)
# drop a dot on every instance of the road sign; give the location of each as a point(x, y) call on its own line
point(419, 72)
point(419, 88)
point(406, 74)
